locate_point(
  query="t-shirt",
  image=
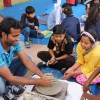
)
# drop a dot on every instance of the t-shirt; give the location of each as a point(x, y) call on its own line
point(5, 57)
point(64, 48)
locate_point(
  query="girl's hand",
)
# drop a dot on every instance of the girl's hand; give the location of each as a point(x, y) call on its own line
point(67, 75)
point(69, 70)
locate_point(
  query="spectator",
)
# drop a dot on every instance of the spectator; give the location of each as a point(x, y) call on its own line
point(71, 24)
point(52, 17)
point(30, 26)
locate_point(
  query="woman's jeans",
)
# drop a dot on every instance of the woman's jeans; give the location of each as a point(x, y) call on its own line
point(17, 69)
point(27, 32)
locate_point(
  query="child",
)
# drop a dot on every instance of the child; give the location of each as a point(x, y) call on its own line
point(88, 58)
point(71, 24)
point(93, 20)
point(51, 22)
point(62, 57)
point(30, 26)
point(86, 87)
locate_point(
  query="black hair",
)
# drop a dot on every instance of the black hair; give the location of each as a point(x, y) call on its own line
point(68, 11)
point(29, 10)
point(59, 29)
point(93, 33)
point(93, 16)
point(9, 23)
point(65, 5)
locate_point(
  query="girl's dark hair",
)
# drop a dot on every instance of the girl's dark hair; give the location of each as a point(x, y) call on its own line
point(29, 10)
point(68, 11)
point(93, 33)
point(9, 23)
point(93, 16)
point(59, 29)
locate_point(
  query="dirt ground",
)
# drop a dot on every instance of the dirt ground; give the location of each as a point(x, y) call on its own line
point(35, 48)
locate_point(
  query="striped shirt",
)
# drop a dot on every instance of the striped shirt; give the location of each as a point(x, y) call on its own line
point(5, 57)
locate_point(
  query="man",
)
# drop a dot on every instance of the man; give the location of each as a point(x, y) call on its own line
point(12, 69)
point(52, 17)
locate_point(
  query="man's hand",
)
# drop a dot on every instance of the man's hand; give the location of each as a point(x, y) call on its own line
point(45, 82)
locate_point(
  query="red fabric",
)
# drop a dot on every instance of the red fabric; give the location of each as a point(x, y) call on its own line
point(7, 3)
point(71, 1)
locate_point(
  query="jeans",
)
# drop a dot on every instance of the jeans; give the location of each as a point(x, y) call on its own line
point(27, 32)
point(17, 69)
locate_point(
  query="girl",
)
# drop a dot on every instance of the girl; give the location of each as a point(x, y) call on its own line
point(88, 58)
point(93, 20)
point(86, 87)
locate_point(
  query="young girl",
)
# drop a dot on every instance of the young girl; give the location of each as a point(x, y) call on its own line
point(86, 87)
point(88, 59)
point(61, 57)
point(93, 20)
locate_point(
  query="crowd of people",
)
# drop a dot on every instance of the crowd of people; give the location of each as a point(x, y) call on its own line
point(85, 69)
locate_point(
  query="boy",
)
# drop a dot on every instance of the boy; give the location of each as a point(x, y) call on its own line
point(30, 26)
point(52, 17)
point(62, 57)
point(71, 24)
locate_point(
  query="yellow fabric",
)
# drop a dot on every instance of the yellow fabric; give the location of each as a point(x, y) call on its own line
point(45, 32)
point(90, 62)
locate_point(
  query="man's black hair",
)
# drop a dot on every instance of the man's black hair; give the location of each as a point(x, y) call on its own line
point(9, 23)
